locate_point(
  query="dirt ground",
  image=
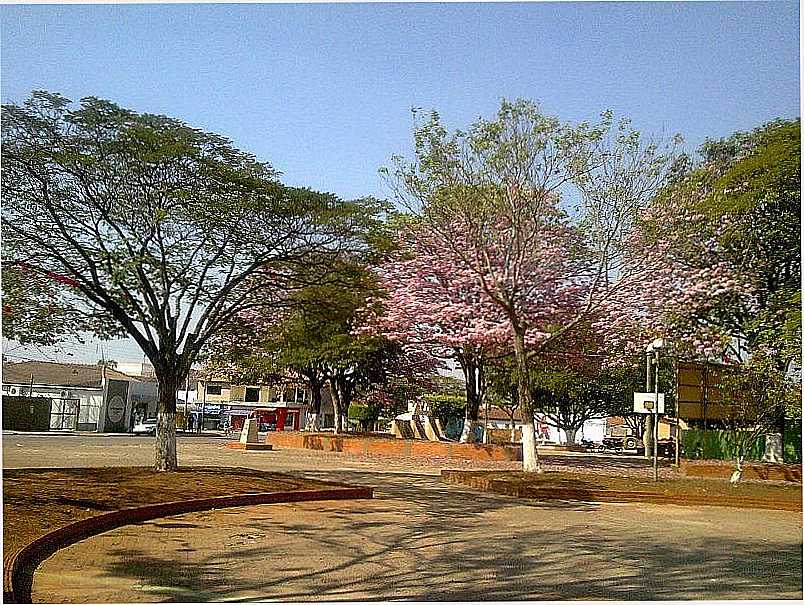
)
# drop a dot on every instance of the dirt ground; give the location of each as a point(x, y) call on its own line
point(423, 540)
point(37, 501)
point(418, 539)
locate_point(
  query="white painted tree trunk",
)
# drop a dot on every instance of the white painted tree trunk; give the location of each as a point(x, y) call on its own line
point(530, 458)
point(468, 432)
point(737, 475)
point(165, 442)
point(312, 423)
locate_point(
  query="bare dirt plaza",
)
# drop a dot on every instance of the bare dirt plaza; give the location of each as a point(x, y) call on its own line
point(419, 539)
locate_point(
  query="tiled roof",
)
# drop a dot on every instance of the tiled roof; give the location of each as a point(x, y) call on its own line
point(58, 374)
point(496, 413)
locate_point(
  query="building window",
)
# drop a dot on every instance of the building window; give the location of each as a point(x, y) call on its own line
point(213, 389)
point(252, 394)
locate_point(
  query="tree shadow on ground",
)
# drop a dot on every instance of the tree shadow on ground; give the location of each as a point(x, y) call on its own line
point(438, 548)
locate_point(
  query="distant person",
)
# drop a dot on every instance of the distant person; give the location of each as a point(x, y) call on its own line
point(190, 423)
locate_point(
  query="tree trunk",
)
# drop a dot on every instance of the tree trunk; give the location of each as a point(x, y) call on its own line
point(470, 423)
point(530, 462)
point(513, 429)
point(345, 400)
point(530, 458)
point(315, 409)
point(165, 443)
point(336, 405)
point(570, 432)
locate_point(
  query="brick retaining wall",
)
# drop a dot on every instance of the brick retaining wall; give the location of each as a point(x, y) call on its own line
point(590, 494)
point(19, 565)
point(392, 447)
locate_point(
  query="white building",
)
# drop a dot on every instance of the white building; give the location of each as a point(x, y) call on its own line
point(83, 397)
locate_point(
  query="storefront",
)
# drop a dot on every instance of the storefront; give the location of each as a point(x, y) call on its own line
point(269, 418)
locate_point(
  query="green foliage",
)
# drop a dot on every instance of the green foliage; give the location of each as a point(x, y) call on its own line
point(747, 193)
point(363, 414)
point(37, 310)
point(720, 445)
point(792, 441)
point(447, 408)
point(758, 397)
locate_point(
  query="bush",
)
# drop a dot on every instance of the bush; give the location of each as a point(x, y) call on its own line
point(447, 408)
point(717, 445)
point(362, 415)
point(792, 441)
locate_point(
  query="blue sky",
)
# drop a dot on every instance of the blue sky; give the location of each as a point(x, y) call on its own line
point(323, 92)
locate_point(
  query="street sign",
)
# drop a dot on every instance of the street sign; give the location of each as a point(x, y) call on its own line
point(643, 403)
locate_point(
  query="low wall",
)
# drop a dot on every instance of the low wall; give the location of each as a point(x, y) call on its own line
point(19, 565)
point(751, 471)
point(592, 494)
point(392, 447)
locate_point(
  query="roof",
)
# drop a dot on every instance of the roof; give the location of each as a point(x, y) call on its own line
point(58, 374)
point(496, 413)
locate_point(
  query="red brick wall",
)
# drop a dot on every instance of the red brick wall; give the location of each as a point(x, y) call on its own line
point(392, 447)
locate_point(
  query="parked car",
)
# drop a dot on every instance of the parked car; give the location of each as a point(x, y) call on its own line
point(146, 427)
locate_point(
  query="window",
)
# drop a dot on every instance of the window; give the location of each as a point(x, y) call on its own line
point(252, 394)
point(213, 389)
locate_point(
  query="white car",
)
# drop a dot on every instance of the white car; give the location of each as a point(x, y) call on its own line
point(146, 427)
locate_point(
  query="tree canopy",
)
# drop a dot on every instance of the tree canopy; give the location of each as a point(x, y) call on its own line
point(167, 230)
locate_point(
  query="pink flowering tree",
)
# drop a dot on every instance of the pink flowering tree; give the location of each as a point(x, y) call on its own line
point(535, 214)
point(431, 304)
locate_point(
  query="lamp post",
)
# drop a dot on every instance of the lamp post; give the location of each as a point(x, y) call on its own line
point(654, 348)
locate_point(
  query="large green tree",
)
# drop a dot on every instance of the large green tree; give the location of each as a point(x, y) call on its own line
point(316, 338)
point(745, 199)
point(165, 229)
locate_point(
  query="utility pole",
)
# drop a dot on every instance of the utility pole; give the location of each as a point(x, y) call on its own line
point(647, 433)
point(656, 420)
point(186, 398)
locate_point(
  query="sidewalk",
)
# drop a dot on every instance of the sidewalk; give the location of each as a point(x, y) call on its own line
point(420, 539)
point(68, 433)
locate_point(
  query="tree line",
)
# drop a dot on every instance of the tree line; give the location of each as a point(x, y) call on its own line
point(540, 256)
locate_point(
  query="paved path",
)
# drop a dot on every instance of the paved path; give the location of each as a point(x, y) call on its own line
point(418, 539)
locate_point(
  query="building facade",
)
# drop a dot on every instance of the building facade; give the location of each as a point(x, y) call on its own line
point(219, 403)
point(82, 397)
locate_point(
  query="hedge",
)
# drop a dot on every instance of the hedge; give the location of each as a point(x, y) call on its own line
point(792, 440)
point(716, 445)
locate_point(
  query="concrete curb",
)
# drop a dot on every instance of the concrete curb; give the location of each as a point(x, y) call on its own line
point(602, 495)
point(253, 447)
point(19, 565)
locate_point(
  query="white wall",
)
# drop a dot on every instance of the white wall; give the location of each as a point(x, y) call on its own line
point(89, 401)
